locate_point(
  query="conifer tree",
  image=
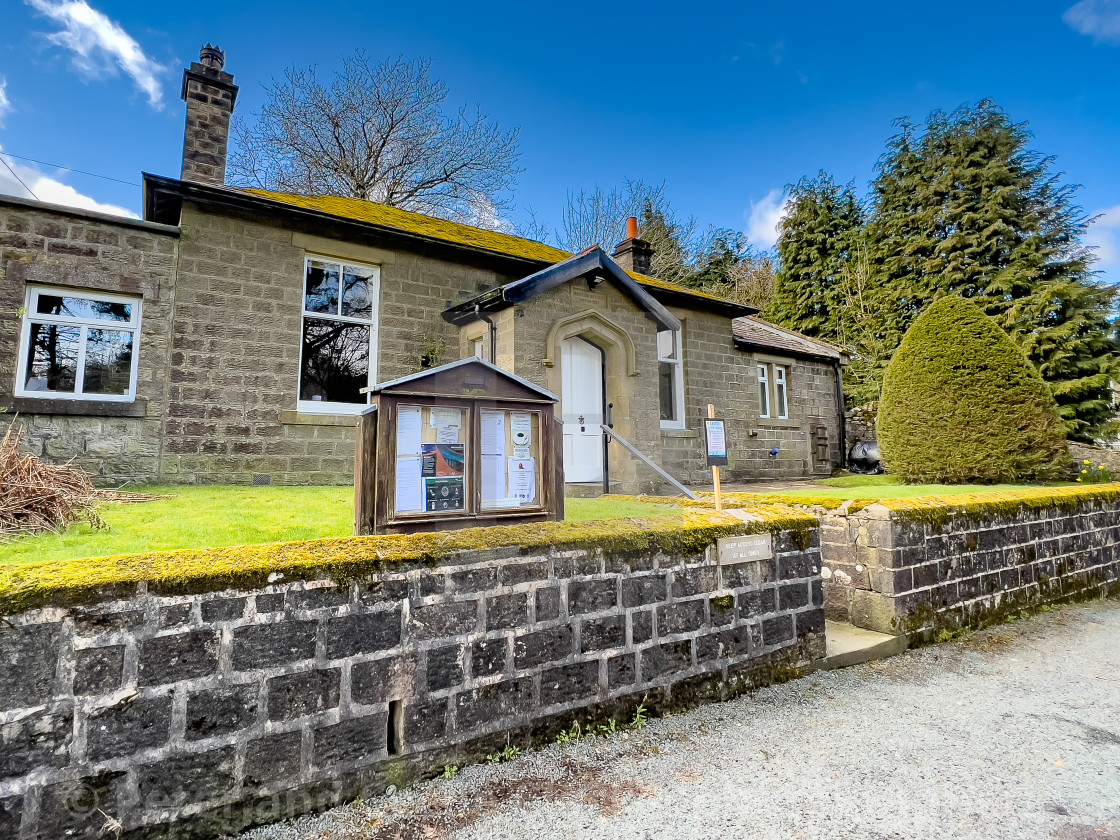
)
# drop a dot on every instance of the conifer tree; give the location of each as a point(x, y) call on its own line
point(817, 240)
point(966, 208)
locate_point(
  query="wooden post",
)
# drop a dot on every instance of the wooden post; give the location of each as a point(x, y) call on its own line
point(715, 470)
point(365, 472)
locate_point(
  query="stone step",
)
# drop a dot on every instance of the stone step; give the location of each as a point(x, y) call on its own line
point(850, 645)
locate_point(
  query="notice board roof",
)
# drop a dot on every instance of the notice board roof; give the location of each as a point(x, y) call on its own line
point(470, 377)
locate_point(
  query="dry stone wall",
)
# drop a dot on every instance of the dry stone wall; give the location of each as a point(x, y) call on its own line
point(195, 715)
point(937, 568)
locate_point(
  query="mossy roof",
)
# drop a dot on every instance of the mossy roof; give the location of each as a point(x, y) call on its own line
point(97, 579)
point(502, 244)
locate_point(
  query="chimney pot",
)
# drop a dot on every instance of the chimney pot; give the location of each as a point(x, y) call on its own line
point(212, 57)
point(634, 254)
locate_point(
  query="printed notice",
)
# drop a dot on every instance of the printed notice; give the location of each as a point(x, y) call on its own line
point(521, 425)
point(447, 434)
point(493, 432)
point(446, 417)
point(409, 423)
point(715, 440)
point(410, 484)
point(523, 479)
point(522, 452)
point(494, 481)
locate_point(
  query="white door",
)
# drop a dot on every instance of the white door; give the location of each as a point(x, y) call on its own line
point(581, 370)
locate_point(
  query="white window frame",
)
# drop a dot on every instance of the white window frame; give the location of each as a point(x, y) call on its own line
point(678, 380)
point(782, 405)
point(319, 406)
point(773, 378)
point(763, 391)
point(86, 324)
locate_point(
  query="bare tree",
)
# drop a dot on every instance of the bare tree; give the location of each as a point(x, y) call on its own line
point(599, 217)
point(379, 132)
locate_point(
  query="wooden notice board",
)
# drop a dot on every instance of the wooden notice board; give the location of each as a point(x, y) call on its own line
point(456, 446)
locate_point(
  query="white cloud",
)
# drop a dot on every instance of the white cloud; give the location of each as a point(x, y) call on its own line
point(5, 103)
point(763, 219)
point(1104, 237)
point(51, 190)
point(1098, 18)
point(101, 45)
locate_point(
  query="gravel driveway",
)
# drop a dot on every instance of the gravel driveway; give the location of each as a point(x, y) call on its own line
point(1013, 732)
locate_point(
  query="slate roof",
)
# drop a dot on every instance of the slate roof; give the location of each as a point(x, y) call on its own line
point(754, 332)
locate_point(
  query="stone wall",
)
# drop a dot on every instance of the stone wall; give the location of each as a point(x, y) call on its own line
point(117, 442)
point(194, 715)
point(921, 567)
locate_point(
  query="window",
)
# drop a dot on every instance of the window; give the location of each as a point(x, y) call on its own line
point(478, 348)
point(780, 393)
point(773, 395)
point(339, 344)
point(670, 379)
point(78, 345)
point(763, 392)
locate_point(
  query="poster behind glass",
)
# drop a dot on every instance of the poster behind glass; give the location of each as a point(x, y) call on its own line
point(431, 459)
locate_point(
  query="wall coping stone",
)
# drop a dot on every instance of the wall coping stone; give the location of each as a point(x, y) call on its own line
point(98, 579)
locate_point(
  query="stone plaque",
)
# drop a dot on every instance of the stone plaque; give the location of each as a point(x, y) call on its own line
point(745, 549)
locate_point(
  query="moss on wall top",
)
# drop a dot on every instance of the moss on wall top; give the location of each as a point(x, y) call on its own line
point(707, 501)
point(938, 509)
point(73, 582)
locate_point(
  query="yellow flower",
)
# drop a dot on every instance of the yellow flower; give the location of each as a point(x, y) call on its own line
point(1084, 472)
point(1087, 462)
point(1101, 467)
point(1079, 479)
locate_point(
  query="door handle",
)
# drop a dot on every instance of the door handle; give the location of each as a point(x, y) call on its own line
point(582, 427)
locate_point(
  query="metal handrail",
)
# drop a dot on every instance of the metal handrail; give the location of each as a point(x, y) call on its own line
point(633, 450)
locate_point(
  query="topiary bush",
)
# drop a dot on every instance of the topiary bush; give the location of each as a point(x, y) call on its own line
point(961, 403)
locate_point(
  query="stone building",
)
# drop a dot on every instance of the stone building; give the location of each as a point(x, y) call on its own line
point(226, 337)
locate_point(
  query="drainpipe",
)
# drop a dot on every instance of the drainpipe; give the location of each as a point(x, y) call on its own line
point(841, 414)
point(491, 332)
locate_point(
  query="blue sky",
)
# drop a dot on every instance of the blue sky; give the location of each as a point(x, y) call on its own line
point(725, 103)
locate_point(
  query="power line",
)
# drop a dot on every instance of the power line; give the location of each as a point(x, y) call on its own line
point(68, 169)
point(14, 175)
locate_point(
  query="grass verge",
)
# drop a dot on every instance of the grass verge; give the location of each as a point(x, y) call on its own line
point(215, 517)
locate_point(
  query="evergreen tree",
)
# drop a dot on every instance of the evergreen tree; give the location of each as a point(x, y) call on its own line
point(817, 241)
point(724, 263)
point(966, 208)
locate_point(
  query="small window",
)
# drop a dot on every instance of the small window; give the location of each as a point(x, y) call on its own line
point(780, 393)
point(78, 345)
point(338, 355)
point(763, 392)
point(670, 368)
point(478, 348)
point(773, 392)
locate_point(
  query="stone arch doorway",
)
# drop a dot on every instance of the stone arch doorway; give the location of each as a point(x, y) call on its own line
point(602, 357)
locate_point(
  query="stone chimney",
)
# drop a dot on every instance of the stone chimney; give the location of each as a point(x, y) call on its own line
point(634, 254)
point(210, 95)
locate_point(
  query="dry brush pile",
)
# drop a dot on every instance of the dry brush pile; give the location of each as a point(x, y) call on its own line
point(36, 497)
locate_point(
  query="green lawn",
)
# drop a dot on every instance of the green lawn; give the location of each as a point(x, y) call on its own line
point(209, 517)
point(889, 487)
